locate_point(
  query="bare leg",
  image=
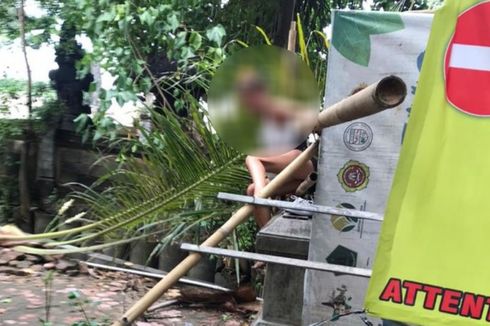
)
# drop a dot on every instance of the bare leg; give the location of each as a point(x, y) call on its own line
point(275, 164)
point(258, 166)
point(261, 213)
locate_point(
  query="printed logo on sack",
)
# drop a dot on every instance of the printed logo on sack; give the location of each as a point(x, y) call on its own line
point(344, 223)
point(467, 62)
point(353, 176)
point(358, 136)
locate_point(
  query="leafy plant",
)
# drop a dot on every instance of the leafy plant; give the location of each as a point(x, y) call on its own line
point(14, 89)
point(162, 41)
point(246, 235)
point(76, 300)
point(168, 179)
point(11, 87)
point(166, 183)
point(170, 188)
point(48, 296)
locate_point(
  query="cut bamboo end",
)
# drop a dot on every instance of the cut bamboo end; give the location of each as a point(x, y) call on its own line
point(390, 92)
point(387, 93)
point(306, 184)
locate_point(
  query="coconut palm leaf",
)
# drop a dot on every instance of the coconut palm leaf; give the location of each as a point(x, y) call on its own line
point(171, 186)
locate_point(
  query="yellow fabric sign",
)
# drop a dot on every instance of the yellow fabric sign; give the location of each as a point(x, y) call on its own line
point(432, 265)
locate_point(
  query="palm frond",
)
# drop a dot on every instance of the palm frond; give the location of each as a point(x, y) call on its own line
point(302, 41)
point(264, 35)
point(169, 189)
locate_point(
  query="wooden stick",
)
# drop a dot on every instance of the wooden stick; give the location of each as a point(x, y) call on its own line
point(240, 216)
point(292, 37)
point(162, 305)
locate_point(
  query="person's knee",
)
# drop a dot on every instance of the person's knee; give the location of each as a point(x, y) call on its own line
point(303, 173)
point(250, 189)
point(250, 160)
point(309, 168)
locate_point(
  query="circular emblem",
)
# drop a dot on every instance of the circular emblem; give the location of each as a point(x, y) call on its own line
point(353, 176)
point(358, 136)
point(344, 223)
point(467, 62)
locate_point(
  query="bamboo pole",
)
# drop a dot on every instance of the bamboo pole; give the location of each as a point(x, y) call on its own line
point(292, 37)
point(387, 93)
point(240, 216)
point(306, 184)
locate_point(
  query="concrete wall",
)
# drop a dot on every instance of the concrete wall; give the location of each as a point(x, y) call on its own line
point(42, 173)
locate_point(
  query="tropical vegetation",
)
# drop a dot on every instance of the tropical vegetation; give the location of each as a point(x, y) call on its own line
point(168, 175)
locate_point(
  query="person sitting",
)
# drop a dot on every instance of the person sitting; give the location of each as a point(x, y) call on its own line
point(284, 125)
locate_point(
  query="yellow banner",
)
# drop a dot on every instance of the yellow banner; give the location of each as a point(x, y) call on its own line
point(432, 265)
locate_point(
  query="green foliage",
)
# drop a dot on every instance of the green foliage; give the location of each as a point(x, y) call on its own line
point(169, 188)
point(140, 42)
point(168, 180)
point(75, 298)
point(264, 35)
point(246, 235)
point(176, 180)
point(216, 34)
point(39, 30)
point(100, 127)
point(86, 323)
point(78, 301)
point(10, 129)
point(13, 89)
point(147, 39)
point(240, 19)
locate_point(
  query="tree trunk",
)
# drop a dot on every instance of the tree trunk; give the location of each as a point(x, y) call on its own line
point(21, 15)
point(24, 189)
point(286, 16)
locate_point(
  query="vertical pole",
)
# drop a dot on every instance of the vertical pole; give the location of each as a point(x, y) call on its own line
point(284, 17)
point(22, 33)
point(292, 37)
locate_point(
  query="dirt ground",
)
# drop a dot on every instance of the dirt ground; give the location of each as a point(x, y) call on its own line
point(103, 296)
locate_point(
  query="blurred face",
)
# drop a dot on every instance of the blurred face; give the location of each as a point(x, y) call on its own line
point(257, 97)
point(252, 94)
